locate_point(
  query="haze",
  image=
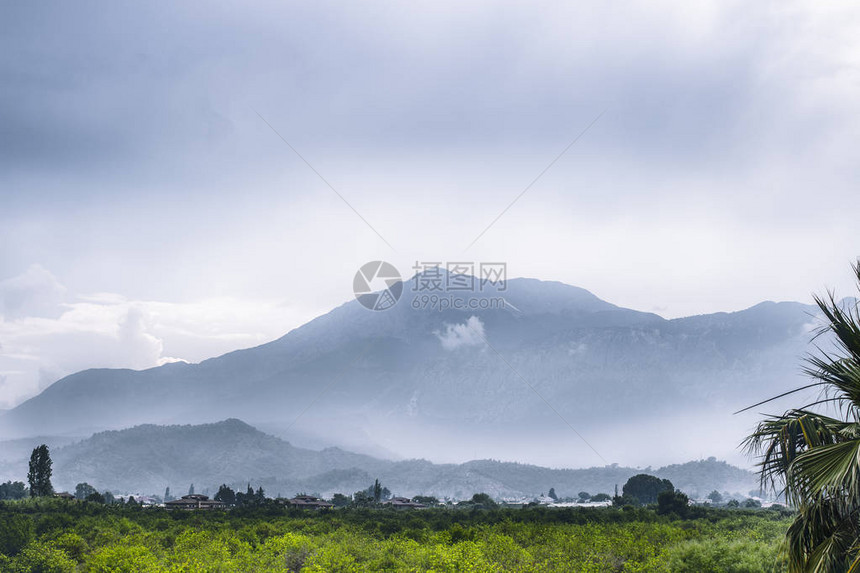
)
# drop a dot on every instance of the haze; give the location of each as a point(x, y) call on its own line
point(149, 214)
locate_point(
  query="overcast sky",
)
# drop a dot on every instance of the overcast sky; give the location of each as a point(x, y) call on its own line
point(148, 213)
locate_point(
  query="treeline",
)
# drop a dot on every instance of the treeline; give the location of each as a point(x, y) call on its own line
point(13, 490)
point(644, 489)
point(641, 489)
point(373, 497)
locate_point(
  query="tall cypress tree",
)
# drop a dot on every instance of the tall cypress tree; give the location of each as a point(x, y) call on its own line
point(39, 475)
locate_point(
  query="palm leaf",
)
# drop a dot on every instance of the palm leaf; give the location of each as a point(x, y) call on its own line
point(827, 470)
point(816, 457)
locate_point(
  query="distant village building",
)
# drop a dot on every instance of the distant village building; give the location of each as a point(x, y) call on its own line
point(403, 503)
point(607, 503)
point(194, 501)
point(64, 495)
point(306, 502)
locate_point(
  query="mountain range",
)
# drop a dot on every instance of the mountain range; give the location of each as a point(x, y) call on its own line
point(556, 377)
point(148, 458)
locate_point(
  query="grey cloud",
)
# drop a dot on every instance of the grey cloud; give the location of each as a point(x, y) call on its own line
point(132, 160)
point(162, 89)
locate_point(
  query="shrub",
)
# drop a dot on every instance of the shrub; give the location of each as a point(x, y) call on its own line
point(723, 556)
point(122, 559)
point(73, 545)
point(16, 531)
point(39, 557)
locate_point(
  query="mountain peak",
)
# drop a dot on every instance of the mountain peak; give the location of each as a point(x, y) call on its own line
point(386, 380)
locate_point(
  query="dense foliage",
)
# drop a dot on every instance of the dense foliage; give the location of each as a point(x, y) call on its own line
point(63, 536)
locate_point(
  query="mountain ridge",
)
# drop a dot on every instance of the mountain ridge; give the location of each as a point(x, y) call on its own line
point(419, 383)
point(149, 458)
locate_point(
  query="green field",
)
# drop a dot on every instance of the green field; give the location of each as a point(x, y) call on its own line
point(53, 535)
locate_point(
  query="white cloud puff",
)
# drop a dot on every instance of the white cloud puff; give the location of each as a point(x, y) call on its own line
point(43, 337)
point(469, 333)
point(36, 292)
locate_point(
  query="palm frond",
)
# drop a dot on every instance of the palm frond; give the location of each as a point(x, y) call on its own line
point(822, 538)
point(778, 396)
point(831, 470)
point(816, 457)
point(779, 440)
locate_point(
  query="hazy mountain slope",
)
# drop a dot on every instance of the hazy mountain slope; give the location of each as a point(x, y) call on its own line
point(384, 381)
point(704, 476)
point(149, 458)
point(231, 451)
point(13, 450)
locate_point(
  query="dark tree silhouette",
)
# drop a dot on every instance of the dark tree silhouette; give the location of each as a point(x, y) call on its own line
point(362, 499)
point(83, 490)
point(13, 490)
point(645, 488)
point(39, 475)
point(483, 500)
point(671, 501)
point(226, 495)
